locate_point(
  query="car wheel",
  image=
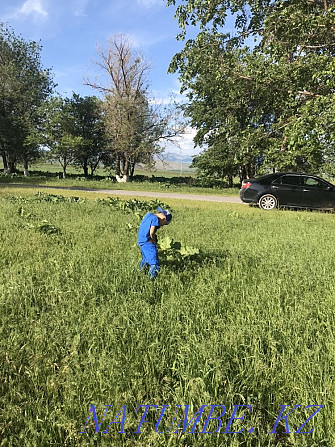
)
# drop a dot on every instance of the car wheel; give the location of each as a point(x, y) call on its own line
point(268, 202)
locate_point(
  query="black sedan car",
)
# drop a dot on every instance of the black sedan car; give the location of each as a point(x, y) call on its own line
point(290, 190)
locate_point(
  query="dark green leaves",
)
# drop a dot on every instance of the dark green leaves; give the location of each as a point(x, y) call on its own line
point(260, 105)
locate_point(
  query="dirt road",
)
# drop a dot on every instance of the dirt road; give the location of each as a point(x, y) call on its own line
point(121, 192)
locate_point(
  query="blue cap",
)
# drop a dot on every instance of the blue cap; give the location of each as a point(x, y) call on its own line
point(166, 213)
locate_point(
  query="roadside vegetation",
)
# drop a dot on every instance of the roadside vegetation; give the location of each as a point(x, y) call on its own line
point(248, 318)
point(160, 180)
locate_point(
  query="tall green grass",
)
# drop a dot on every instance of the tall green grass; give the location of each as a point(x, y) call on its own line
point(250, 322)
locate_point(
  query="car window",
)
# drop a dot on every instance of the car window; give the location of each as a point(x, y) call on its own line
point(314, 183)
point(290, 180)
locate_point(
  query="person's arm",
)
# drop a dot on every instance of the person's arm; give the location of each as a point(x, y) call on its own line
point(152, 234)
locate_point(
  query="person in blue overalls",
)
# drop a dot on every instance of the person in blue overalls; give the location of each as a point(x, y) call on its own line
point(147, 239)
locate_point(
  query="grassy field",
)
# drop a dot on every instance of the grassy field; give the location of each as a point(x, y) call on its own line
point(159, 180)
point(250, 320)
point(167, 169)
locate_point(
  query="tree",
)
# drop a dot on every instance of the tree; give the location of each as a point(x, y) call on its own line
point(303, 48)
point(89, 125)
point(134, 126)
point(266, 99)
point(216, 163)
point(24, 86)
point(229, 115)
point(60, 131)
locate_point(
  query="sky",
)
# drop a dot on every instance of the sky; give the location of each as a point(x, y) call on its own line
point(71, 32)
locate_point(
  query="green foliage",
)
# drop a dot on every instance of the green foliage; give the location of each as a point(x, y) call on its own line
point(24, 86)
point(44, 197)
point(132, 205)
point(215, 163)
point(89, 125)
point(261, 105)
point(172, 251)
point(61, 134)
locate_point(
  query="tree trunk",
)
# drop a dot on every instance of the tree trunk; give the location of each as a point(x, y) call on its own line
point(122, 167)
point(25, 166)
point(85, 168)
point(118, 166)
point(11, 166)
point(131, 170)
point(250, 170)
point(123, 179)
point(230, 181)
point(118, 163)
point(64, 165)
point(123, 164)
point(5, 163)
point(94, 166)
point(125, 170)
point(243, 173)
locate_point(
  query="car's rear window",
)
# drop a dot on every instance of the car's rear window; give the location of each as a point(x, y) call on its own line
point(267, 179)
point(293, 180)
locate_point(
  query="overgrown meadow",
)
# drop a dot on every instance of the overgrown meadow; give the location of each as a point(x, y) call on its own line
point(244, 317)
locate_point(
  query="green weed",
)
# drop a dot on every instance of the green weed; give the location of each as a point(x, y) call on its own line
point(249, 321)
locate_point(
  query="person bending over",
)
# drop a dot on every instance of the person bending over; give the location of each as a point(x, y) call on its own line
point(147, 239)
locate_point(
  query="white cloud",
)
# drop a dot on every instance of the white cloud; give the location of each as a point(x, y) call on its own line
point(144, 39)
point(185, 142)
point(148, 3)
point(80, 7)
point(29, 8)
point(32, 7)
point(183, 147)
point(169, 94)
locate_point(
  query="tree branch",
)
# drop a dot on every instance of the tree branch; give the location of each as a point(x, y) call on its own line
point(319, 46)
point(274, 85)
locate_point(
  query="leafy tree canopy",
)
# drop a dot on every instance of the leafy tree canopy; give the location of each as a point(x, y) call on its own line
point(24, 86)
point(271, 99)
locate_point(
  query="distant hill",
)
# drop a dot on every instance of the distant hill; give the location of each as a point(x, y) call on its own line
point(178, 166)
point(172, 156)
point(174, 161)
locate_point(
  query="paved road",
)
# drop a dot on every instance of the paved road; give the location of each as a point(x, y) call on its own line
point(121, 192)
